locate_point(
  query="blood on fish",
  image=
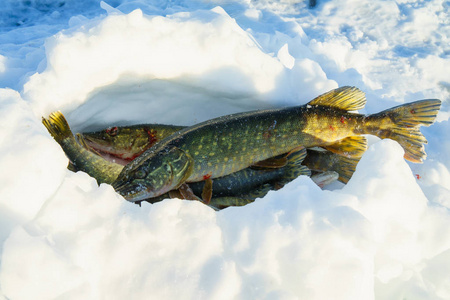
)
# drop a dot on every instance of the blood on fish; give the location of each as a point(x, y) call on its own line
point(418, 176)
point(112, 131)
point(342, 119)
point(270, 131)
point(134, 156)
point(267, 134)
point(332, 128)
point(151, 136)
point(207, 176)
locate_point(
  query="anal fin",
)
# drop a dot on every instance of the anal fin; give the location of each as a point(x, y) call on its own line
point(352, 146)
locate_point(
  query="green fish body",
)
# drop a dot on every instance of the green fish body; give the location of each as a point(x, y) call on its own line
point(228, 144)
point(123, 144)
point(239, 188)
point(251, 179)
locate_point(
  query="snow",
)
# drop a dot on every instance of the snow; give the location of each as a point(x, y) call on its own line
point(382, 236)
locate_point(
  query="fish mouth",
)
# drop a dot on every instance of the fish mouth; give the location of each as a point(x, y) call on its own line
point(130, 191)
point(108, 152)
point(97, 144)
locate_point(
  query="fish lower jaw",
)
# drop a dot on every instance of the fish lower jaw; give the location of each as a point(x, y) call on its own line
point(134, 197)
point(137, 192)
point(131, 192)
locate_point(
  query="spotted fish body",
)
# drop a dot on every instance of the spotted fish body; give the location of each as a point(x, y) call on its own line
point(123, 144)
point(239, 188)
point(227, 144)
point(241, 183)
point(243, 187)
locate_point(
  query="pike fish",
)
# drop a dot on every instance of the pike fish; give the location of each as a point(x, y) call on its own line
point(236, 189)
point(224, 145)
point(123, 144)
point(243, 187)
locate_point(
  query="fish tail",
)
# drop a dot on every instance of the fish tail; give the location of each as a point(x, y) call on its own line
point(57, 126)
point(401, 124)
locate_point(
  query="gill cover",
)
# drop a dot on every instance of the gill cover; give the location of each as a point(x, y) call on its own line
point(164, 171)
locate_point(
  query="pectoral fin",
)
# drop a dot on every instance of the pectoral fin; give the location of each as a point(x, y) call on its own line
point(207, 191)
point(175, 194)
point(184, 192)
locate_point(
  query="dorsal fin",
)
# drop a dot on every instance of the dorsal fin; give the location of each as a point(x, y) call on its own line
point(347, 98)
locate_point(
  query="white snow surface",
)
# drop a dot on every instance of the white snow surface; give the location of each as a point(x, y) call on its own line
point(382, 236)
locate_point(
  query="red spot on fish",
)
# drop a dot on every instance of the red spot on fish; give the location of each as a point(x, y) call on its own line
point(270, 131)
point(418, 177)
point(112, 131)
point(151, 136)
point(267, 135)
point(342, 119)
point(332, 128)
point(207, 176)
point(412, 111)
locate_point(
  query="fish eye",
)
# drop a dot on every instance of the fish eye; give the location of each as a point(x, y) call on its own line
point(112, 131)
point(140, 174)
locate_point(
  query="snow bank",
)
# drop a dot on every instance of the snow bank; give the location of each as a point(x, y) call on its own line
point(201, 49)
point(30, 163)
point(384, 235)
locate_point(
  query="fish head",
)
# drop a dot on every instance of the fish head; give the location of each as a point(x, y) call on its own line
point(122, 142)
point(153, 175)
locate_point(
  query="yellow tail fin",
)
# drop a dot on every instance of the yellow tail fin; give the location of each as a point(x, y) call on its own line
point(401, 124)
point(57, 126)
